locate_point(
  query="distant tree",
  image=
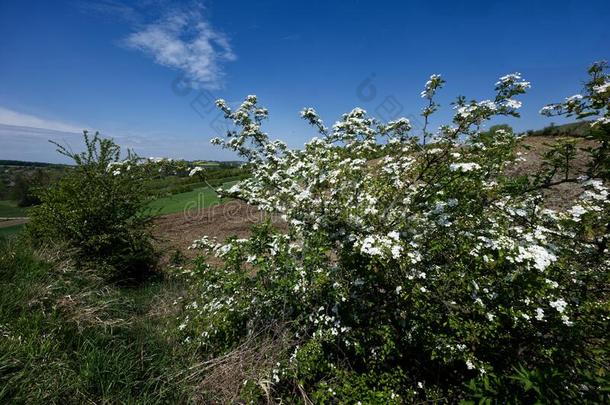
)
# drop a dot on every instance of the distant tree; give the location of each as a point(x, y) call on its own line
point(3, 189)
point(28, 185)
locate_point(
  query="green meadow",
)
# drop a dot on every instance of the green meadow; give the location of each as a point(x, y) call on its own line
point(9, 209)
point(199, 198)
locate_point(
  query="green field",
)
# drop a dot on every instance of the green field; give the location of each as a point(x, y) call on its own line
point(9, 209)
point(199, 198)
point(10, 230)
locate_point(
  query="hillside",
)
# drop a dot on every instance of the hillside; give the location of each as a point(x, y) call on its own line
point(574, 129)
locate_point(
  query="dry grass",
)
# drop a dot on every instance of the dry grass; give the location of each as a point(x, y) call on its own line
point(72, 337)
point(92, 308)
point(220, 380)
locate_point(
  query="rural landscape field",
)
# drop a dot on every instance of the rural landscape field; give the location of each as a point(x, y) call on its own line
point(368, 229)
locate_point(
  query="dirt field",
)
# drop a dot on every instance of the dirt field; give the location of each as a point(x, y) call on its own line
point(563, 195)
point(8, 222)
point(178, 231)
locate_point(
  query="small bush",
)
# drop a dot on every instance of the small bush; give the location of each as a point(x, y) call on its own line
point(98, 209)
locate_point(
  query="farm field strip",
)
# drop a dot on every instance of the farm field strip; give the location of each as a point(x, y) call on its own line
point(196, 199)
point(9, 209)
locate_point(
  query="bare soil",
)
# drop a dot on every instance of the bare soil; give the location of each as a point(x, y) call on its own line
point(533, 149)
point(5, 223)
point(234, 218)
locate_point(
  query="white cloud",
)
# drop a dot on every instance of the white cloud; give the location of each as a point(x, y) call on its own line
point(15, 118)
point(183, 40)
point(25, 137)
point(32, 144)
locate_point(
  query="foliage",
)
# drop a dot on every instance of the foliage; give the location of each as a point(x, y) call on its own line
point(426, 275)
point(98, 208)
point(27, 185)
point(559, 158)
point(578, 129)
point(595, 102)
point(17, 182)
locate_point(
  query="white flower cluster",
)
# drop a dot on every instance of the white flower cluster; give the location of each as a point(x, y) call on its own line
point(431, 86)
point(383, 246)
point(595, 102)
point(464, 167)
point(195, 170)
point(513, 79)
point(602, 88)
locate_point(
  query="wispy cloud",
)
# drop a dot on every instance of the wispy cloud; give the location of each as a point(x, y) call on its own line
point(184, 40)
point(26, 137)
point(111, 9)
point(32, 144)
point(15, 118)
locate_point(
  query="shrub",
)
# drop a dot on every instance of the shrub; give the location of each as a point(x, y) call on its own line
point(28, 185)
point(426, 275)
point(98, 208)
point(595, 102)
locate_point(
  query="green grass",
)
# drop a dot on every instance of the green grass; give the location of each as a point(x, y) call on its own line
point(9, 209)
point(11, 230)
point(68, 337)
point(199, 198)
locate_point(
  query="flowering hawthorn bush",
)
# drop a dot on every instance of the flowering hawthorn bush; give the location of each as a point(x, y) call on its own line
point(427, 274)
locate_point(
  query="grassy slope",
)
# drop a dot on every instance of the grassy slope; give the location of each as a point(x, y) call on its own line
point(199, 198)
point(68, 337)
point(9, 209)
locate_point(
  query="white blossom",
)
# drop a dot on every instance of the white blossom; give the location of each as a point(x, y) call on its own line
point(464, 167)
point(195, 170)
point(602, 88)
point(559, 305)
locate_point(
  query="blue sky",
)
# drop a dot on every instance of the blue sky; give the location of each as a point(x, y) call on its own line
point(120, 67)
